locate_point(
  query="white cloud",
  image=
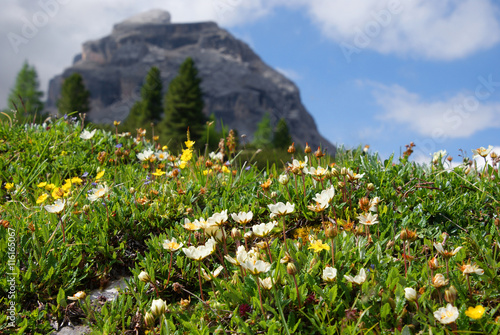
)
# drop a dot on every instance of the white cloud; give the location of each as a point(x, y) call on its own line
point(442, 30)
point(446, 29)
point(458, 116)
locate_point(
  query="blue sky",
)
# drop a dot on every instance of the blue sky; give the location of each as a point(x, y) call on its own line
point(382, 73)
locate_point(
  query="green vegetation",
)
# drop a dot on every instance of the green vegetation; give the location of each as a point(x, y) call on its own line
point(358, 245)
point(150, 108)
point(74, 96)
point(26, 97)
point(183, 106)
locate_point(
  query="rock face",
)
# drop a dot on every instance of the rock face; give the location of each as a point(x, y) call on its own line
point(239, 88)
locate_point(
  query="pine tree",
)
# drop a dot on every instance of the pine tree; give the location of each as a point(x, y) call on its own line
point(183, 106)
point(74, 95)
point(281, 137)
point(263, 136)
point(150, 107)
point(26, 96)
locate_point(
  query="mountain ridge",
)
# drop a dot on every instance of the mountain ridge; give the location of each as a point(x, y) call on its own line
point(239, 88)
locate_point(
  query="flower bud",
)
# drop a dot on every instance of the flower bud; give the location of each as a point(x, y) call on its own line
point(248, 235)
point(307, 149)
point(86, 208)
point(144, 277)
point(497, 222)
point(343, 171)
point(410, 294)
point(403, 235)
point(364, 204)
point(286, 258)
point(158, 307)
point(274, 194)
point(331, 231)
point(370, 187)
point(149, 320)
point(132, 190)
point(291, 149)
point(341, 184)
point(236, 233)
point(389, 244)
point(283, 179)
point(334, 172)
point(291, 269)
point(450, 295)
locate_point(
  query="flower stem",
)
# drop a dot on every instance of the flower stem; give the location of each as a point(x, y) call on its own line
point(260, 295)
point(199, 279)
point(169, 267)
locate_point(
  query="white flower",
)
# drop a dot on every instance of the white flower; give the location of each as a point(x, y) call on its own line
point(218, 218)
point(214, 274)
point(438, 155)
point(444, 253)
point(298, 166)
point(281, 209)
point(255, 266)
point(161, 155)
point(242, 217)
point(283, 179)
point(318, 172)
point(57, 207)
point(158, 307)
point(87, 135)
point(266, 283)
point(144, 277)
point(447, 314)
point(471, 268)
point(99, 192)
point(353, 176)
point(368, 219)
point(200, 252)
point(410, 294)
point(482, 152)
point(144, 156)
point(172, 245)
point(325, 196)
point(263, 229)
point(216, 156)
point(329, 274)
point(358, 279)
point(374, 204)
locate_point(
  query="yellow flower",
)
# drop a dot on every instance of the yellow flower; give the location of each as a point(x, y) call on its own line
point(187, 154)
point(63, 153)
point(9, 186)
point(189, 144)
point(42, 184)
point(116, 123)
point(99, 175)
point(67, 185)
point(164, 148)
point(318, 245)
point(225, 169)
point(42, 198)
point(59, 192)
point(475, 312)
point(158, 173)
point(182, 165)
point(76, 180)
point(50, 187)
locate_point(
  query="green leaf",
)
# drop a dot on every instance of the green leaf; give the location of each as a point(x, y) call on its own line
point(61, 298)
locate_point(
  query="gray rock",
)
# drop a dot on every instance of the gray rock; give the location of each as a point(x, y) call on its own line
point(238, 86)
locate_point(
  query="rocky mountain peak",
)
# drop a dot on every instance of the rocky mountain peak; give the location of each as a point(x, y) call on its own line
point(239, 88)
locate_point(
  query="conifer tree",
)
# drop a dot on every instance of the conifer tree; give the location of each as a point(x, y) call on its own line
point(263, 136)
point(281, 137)
point(150, 107)
point(183, 106)
point(26, 96)
point(74, 95)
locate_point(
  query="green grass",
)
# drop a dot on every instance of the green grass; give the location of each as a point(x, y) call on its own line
point(122, 234)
